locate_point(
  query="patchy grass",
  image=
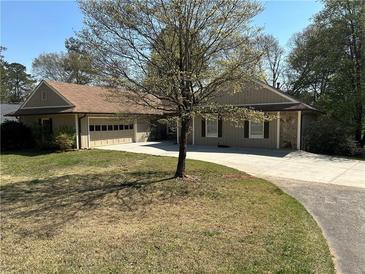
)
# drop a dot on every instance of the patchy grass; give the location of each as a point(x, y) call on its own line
point(114, 212)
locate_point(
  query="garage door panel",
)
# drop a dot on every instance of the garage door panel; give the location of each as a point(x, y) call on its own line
point(111, 136)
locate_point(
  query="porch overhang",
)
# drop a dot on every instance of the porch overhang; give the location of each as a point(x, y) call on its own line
point(282, 107)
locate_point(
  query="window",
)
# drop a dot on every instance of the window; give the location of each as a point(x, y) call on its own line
point(103, 128)
point(91, 127)
point(121, 127)
point(256, 130)
point(212, 128)
point(131, 126)
point(97, 128)
point(115, 127)
point(44, 95)
point(110, 127)
point(126, 127)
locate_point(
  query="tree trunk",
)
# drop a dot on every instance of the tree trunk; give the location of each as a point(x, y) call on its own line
point(183, 141)
point(359, 122)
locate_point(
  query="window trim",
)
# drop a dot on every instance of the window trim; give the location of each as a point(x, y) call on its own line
point(256, 136)
point(206, 128)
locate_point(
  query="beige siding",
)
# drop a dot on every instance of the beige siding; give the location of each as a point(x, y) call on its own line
point(100, 138)
point(253, 94)
point(234, 136)
point(52, 98)
point(57, 120)
point(143, 130)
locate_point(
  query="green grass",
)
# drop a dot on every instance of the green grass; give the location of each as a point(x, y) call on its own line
point(114, 212)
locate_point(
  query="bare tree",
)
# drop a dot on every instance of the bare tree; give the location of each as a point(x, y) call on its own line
point(74, 66)
point(181, 52)
point(272, 62)
point(50, 66)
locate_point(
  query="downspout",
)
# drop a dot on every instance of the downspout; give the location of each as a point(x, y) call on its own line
point(79, 129)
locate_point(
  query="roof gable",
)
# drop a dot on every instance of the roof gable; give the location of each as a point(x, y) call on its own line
point(75, 98)
point(44, 96)
point(94, 99)
point(256, 92)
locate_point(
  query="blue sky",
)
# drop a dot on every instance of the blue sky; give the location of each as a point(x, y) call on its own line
point(29, 28)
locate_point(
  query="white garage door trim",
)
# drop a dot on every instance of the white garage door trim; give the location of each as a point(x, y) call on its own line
point(104, 132)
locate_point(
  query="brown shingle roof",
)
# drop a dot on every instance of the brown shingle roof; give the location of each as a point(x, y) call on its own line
point(93, 99)
point(101, 100)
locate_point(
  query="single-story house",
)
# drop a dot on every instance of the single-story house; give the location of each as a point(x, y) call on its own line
point(96, 118)
point(99, 121)
point(286, 131)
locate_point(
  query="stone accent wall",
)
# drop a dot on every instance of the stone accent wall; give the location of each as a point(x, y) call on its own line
point(288, 129)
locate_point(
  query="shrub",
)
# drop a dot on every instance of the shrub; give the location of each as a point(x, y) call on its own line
point(327, 136)
point(42, 140)
point(65, 138)
point(15, 135)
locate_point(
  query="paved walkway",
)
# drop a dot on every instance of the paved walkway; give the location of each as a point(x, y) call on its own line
point(332, 189)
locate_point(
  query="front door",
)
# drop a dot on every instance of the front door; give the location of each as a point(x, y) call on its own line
point(47, 130)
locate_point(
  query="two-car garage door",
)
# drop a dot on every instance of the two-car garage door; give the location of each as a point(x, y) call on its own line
point(110, 132)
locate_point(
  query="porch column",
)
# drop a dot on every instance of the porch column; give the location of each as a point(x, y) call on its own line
point(77, 131)
point(299, 127)
point(278, 131)
point(135, 130)
point(88, 131)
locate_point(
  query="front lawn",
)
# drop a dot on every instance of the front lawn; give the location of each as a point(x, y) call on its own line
point(114, 212)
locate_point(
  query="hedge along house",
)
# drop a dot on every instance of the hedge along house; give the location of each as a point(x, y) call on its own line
point(91, 111)
point(293, 118)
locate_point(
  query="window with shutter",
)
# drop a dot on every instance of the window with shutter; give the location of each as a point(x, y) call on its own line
point(256, 130)
point(212, 127)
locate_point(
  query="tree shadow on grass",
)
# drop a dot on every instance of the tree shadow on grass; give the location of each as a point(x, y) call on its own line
point(30, 152)
point(39, 208)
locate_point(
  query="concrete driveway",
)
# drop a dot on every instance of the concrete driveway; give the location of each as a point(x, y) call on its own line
point(332, 189)
point(264, 163)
